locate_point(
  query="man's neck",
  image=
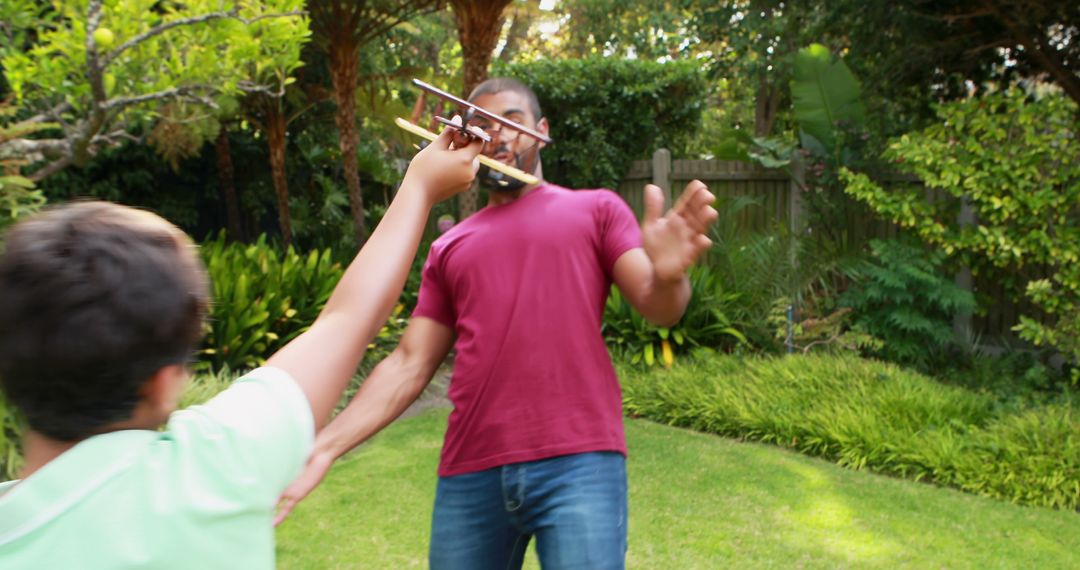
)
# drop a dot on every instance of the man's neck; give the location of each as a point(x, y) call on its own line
point(499, 197)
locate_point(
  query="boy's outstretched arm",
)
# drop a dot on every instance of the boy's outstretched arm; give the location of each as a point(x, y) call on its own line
point(322, 359)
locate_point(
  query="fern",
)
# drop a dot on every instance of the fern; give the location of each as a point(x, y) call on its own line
point(903, 298)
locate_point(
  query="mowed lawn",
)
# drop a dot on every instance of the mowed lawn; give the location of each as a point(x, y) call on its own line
point(696, 501)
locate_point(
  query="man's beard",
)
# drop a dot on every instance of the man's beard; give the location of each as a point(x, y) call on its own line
point(497, 181)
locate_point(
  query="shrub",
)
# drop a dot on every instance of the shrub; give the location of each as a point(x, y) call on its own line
point(864, 414)
point(605, 113)
point(902, 299)
point(11, 429)
point(262, 299)
point(706, 323)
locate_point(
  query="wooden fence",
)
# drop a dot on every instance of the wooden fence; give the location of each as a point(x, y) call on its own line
point(780, 201)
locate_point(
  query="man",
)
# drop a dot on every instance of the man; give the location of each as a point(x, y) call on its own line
point(535, 444)
point(101, 309)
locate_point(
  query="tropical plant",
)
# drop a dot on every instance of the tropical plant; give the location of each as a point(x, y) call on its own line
point(707, 323)
point(263, 298)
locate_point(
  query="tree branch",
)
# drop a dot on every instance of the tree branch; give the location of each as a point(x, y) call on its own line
point(50, 169)
point(160, 29)
point(188, 91)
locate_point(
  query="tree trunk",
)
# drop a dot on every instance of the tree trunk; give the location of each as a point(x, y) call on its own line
point(344, 59)
point(766, 105)
point(519, 30)
point(227, 180)
point(275, 138)
point(479, 24)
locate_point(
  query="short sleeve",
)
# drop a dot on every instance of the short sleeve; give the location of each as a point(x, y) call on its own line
point(433, 300)
point(256, 435)
point(619, 230)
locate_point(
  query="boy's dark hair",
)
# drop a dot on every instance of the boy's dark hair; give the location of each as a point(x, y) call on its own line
point(500, 84)
point(94, 299)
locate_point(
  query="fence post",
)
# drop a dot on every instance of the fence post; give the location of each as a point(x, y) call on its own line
point(962, 325)
point(661, 173)
point(795, 205)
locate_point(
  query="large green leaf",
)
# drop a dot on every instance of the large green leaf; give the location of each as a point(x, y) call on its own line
point(824, 92)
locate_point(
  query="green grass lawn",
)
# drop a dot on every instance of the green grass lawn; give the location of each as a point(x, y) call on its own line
point(696, 501)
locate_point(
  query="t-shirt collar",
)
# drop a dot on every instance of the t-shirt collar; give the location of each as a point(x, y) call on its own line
point(64, 481)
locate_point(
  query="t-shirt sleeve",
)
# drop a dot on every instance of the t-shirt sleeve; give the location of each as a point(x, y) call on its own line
point(433, 300)
point(619, 230)
point(254, 437)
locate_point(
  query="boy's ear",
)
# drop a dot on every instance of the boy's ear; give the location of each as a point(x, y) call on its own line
point(162, 391)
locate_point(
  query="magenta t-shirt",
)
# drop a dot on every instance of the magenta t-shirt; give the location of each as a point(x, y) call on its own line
point(523, 285)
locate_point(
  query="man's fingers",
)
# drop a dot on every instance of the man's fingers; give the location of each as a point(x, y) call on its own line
point(654, 203)
point(700, 219)
point(689, 195)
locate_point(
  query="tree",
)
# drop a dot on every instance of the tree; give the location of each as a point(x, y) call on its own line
point(341, 28)
point(1041, 36)
point(103, 73)
point(605, 113)
point(479, 23)
point(1013, 160)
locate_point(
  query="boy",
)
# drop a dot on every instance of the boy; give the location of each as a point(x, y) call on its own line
point(101, 308)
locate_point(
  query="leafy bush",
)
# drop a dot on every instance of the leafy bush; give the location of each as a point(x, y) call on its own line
point(706, 323)
point(11, 429)
point(262, 299)
point(606, 112)
point(902, 299)
point(1014, 160)
point(869, 415)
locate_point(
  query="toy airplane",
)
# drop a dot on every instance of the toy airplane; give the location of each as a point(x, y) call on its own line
point(467, 135)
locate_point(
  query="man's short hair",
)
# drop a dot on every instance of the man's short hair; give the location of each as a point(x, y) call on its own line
point(500, 84)
point(94, 299)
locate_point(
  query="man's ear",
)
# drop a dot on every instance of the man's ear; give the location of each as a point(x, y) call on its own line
point(542, 127)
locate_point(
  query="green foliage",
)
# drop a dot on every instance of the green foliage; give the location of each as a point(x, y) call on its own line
point(106, 69)
point(868, 415)
point(1014, 160)
point(605, 113)
point(262, 299)
point(824, 93)
point(11, 430)
point(832, 332)
point(707, 323)
point(18, 195)
point(903, 299)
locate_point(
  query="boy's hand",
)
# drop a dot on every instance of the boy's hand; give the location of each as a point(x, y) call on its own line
point(442, 170)
point(314, 472)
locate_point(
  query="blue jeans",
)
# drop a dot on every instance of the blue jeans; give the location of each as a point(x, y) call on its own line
point(575, 506)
